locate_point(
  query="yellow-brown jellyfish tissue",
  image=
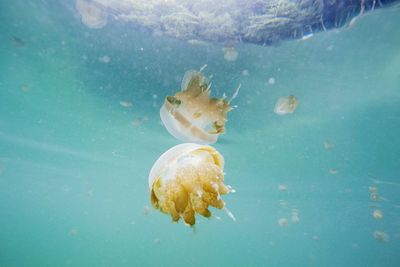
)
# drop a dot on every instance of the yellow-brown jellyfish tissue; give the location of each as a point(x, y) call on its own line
point(286, 105)
point(191, 115)
point(186, 180)
point(93, 15)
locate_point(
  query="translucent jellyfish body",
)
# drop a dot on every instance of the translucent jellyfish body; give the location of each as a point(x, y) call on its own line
point(186, 180)
point(191, 115)
point(286, 105)
point(93, 15)
point(230, 53)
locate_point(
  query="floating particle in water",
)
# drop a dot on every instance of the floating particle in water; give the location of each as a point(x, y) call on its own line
point(245, 73)
point(355, 246)
point(24, 88)
point(146, 210)
point(286, 105)
point(330, 48)
point(271, 80)
point(333, 171)
point(186, 180)
point(328, 145)
point(315, 237)
point(104, 59)
point(93, 15)
point(157, 241)
point(17, 42)
point(378, 215)
point(90, 192)
point(283, 222)
point(230, 53)
point(72, 232)
point(282, 187)
point(381, 236)
point(136, 122)
point(155, 96)
point(191, 115)
point(125, 104)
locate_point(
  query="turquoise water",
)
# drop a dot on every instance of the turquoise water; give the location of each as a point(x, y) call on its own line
point(74, 161)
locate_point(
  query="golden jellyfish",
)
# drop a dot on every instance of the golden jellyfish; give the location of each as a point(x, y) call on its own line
point(92, 14)
point(191, 115)
point(286, 105)
point(186, 180)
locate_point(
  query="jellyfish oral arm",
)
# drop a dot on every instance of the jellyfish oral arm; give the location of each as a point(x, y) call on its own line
point(186, 180)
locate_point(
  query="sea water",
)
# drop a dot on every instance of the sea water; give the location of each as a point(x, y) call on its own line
point(80, 130)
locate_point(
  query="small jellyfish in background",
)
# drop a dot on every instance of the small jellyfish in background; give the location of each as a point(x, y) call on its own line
point(286, 105)
point(105, 59)
point(374, 196)
point(333, 171)
point(377, 214)
point(381, 236)
point(295, 216)
point(230, 53)
point(283, 222)
point(125, 104)
point(186, 180)
point(93, 15)
point(282, 187)
point(191, 115)
point(373, 189)
point(271, 81)
point(328, 145)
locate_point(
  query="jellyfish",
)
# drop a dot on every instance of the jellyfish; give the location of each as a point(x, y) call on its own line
point(186, 180)
point(191, 115)
point(230, 53)
point(282, 187)
point(105, 59)
point(283, 222)
point(377, 214)
point(271, 81)
point(381, 236)
point(286, 105)
point(93, 15)
point(295, 218)
point(328, 145)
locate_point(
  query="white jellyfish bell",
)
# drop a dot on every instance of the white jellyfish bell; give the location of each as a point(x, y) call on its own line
point(186, 180)
point(191, 115)
point(286, 105)
point(93, 15)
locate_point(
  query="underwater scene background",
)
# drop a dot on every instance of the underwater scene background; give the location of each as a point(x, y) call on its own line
point(80, 130)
